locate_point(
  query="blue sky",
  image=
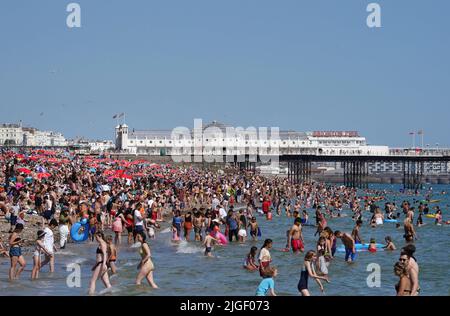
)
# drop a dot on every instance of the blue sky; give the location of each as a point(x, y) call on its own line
point(294, 64)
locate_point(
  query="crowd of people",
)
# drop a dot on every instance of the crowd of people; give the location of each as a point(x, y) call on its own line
point(135, 198)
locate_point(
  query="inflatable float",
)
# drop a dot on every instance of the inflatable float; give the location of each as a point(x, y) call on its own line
point(431, 215)
point(80, 231)
point(360, 247)
point(221, 237)
point(391, 220)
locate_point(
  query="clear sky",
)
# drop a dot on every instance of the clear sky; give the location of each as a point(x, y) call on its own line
point(293, 64)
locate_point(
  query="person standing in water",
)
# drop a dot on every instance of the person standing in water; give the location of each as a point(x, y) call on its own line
point(146, 266)
point(112, 254)
point(15, 253)
point(63, 228)
point(101, 267)
point(410, 233)
point(49, 244)
point(407, 256)
point(253, 228)
point(308, 271)
point(355, 232)
point(296, 237)
point(403, 287)
point(40, 248)
point(187, 226)
point(264, 257)
point(349, 244)
point(208, 243)
point(198, 225)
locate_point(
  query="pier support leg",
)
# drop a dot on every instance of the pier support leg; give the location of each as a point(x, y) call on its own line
point(413, 174)
point(356, 174)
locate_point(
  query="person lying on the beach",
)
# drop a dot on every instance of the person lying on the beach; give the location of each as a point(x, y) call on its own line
point(3, 251)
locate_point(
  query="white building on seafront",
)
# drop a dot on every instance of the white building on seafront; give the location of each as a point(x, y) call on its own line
point(215, 139)
point(93, 146)
point(17, 135)
point(212, 139)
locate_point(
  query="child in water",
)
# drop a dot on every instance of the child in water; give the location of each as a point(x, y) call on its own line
point(208, 243)
point(175, 236)
point(250, 263)
point(267, 285)
point(389, 244)
point(253, 228)
point(372, 245)
point(112, 252)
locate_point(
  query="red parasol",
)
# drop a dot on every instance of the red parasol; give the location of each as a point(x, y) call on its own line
point(24, 170)
point(44, 175)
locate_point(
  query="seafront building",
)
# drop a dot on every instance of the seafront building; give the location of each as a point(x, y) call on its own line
point(17, 135)
point(214, 139)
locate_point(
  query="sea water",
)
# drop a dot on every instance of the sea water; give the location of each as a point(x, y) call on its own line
point(182, 269)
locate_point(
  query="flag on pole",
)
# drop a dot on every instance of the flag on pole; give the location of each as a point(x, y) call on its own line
point(412, 133)
point(115, 116)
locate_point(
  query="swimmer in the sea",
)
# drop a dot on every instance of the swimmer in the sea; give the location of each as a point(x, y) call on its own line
point(389, 244)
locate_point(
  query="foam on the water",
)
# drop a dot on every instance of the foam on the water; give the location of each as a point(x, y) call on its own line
point(80, 260)
point(165, 231)
point(185, 247)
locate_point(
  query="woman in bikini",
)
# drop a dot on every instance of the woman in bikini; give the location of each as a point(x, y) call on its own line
point(146, 266)
point(101, 267)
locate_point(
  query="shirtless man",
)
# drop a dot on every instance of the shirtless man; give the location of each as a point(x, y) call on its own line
point(296, 237)
point(198, 224)
point(349, 244)
point(407, 256)
point(355, 232)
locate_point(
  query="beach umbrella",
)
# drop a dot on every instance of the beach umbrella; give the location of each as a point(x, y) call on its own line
point(24, 170)
point(44, 175)
point(126, 176)
point(108, 173)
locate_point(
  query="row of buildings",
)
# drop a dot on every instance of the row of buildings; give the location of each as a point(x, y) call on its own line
point(18, 135)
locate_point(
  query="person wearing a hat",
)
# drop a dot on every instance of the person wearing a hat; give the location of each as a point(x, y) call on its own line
point(39, 249)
